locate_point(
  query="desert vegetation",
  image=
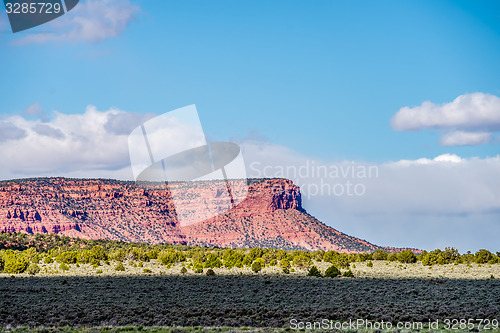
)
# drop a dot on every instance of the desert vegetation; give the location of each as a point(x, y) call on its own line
point(252, 300)
point(53, 281)
point(53, 254)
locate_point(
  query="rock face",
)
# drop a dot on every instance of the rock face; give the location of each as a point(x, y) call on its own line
point(270, 216)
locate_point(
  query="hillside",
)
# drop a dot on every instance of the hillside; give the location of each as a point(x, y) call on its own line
point(270, 216)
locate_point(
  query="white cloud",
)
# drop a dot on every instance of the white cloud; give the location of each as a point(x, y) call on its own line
point(425, 203)
point(441, 159)
point(49, 131)
point(468, 120)
point(452, 158)
point(83, 145)
point(90, 21)
point(461, 138)
point(9, 131)
point(125, 122)
point(446, 184)
point(469, 111)
point(92, 144)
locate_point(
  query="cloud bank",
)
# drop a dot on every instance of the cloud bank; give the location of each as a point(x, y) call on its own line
point(425, 203)
point(92, 144)
point(91, 21)
point(9, 131)
point(461, 138)
point(470, 119)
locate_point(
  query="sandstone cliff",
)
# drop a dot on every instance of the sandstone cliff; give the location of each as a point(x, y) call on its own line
point(270, 216)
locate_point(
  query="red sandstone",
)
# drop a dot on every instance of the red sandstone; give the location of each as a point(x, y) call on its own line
point(270, 216)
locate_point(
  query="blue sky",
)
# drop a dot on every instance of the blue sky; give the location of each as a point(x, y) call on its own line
point(330, 72)
point(323, 78)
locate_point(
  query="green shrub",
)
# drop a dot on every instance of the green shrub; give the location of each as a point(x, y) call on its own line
point(342, 260)
point(269, 256)
point(99, 253)
point(449, 255)
point(439, 257)
point(85, 256)
point(183, 270)
point(64, 267)
point(212, 261)
point(483, 256)
point(233, 258)
point(31, 255)
point(302, 261)
point(198, 270)
point(393, 256)
point(140, 264)
point(153, 254)
point(332, 272)
point(314, 271)
point(170, 256)
point(197, 266)
point(167, 257)
point(33, 269)
point(119, 267)
point(256, 266)
point(48, 259)
point(363, 257)
point(36, 259)
point(210, 272)
point(330, 256)
point(369, 264)
point(348, 274)
point(284, 263)
point(2, 263)
point(118, 255)
point(247, 260)
point(379, 255)
point(421, 255)
point(68, 257)
point(15, 265)
point(147, 270)
point(99, 271)
point(286, 270)
point(95, 262)
point(135, 253)
point(430, 258)
point(407, 257)
point(255, 253)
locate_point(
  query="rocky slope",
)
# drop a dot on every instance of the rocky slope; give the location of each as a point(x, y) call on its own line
point(270, 216)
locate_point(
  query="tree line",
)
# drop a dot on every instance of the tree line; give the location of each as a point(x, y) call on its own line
point(21, 253)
